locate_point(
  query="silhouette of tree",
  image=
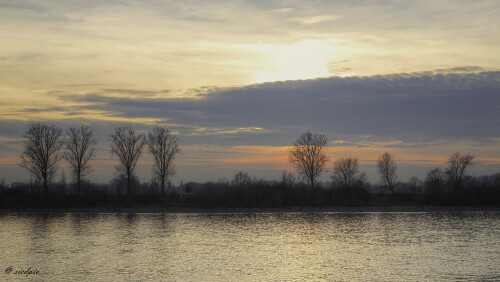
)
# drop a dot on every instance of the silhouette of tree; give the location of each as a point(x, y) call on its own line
point(287, 179)
point(386, 167)
point(413, 184)
point(163, 146)
point(42, 152)
point(457, 165)
point(346, 172)
point(308, 155)
point(80, 150)
point(241, 179)
point(435, 180)
point(127, 145)
point(2, 184)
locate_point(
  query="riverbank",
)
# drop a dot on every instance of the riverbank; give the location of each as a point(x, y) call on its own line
point(184, 210)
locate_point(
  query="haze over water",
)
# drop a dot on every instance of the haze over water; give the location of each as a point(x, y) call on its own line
point(236, 247)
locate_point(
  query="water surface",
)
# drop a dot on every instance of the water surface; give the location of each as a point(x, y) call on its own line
point(267, 246)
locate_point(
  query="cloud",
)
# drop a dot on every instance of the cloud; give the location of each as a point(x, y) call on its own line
point(411, 107)
point(111, 63)
point(316, 19)
point(177, 45)
point(417, 116)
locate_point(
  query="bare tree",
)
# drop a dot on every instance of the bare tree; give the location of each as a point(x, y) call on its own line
point(457, 165)
point(163, 146)
point(387, 169)
point(308, 155)
point(127, 145)
point(80, 150)
point(413, 184)
point(435, 180)
point(346, 172)
point(241, 179)
point(42, 152)
point(287, 179)
point(3, 186)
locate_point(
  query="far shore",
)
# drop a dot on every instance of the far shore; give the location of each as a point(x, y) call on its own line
point(186, 210)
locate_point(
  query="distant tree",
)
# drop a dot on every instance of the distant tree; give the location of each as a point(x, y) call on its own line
point(3, 186)
point(308, 155)
point(163, 146)
point(457, 165)
point(80, 150)
point(346, 172)
point(386, 166)
point(413, 184)
point(287, 179)
point(42, 152)
point(63, 182)
point(189, 187)
point(241, 179)
point(435, 180)
point(127, 145)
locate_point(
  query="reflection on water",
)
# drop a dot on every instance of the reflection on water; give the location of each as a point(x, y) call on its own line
point(222, 247)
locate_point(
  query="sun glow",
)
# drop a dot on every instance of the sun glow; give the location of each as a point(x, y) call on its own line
point(302, 60)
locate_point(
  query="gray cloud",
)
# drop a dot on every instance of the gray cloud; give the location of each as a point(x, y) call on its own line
point(409, 106)
point(410, 110)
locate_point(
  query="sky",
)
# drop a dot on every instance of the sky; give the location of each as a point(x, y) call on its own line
point(239, 81)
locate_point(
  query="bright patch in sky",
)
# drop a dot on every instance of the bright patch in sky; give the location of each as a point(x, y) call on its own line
point(302, 60)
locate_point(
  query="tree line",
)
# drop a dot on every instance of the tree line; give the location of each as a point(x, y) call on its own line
point(308, 156)
point(45, 146)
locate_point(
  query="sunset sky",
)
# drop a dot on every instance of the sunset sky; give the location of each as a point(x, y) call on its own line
point(239, 81)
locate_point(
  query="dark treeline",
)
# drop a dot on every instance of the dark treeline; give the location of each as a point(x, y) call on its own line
point(249, 193)
point(45, 146)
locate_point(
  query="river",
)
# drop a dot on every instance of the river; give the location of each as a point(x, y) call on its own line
point(388, 246)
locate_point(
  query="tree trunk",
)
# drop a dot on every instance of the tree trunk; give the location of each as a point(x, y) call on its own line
point(128, 184)
point(78, 184)
point(45, 185)
point(390, 187)
point(163, 187)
